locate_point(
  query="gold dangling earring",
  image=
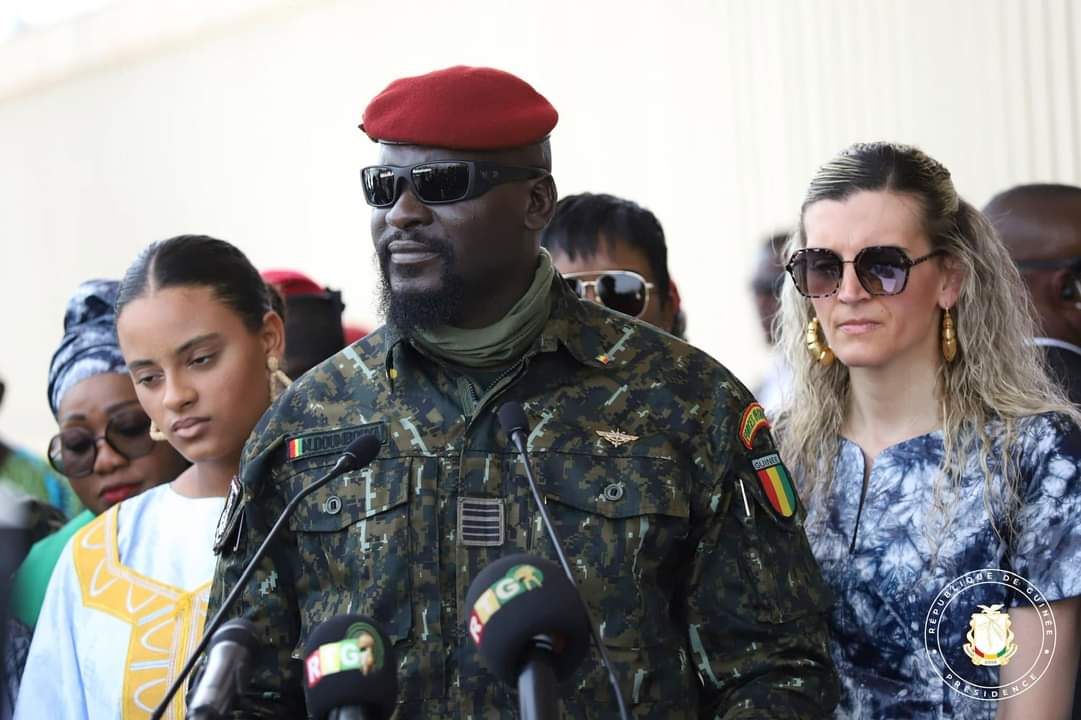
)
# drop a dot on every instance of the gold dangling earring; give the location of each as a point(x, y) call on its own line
point(818, 348)
point(278, 379)
point(155, 434)
point(949, 337)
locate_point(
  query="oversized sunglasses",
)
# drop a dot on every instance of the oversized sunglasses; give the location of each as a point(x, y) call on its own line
point(881, 270)
point(621, 290)
point(74, 451)
point(438, 183)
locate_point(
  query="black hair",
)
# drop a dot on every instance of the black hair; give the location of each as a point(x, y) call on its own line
point(199, 261)
point(1034, 191)
point(581, 220)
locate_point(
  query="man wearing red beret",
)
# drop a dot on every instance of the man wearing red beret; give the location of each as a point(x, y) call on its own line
point(313, 320)
point(679, 518)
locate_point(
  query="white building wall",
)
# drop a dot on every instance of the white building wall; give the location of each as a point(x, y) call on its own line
point(238, 119)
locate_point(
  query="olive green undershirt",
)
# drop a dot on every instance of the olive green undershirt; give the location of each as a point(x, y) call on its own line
point(500, 344)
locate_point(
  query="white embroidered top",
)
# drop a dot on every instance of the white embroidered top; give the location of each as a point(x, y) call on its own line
point(125, 606)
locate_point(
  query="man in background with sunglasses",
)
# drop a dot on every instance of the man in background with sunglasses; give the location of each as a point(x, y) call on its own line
point(1041, 226)
point(612, 251)
point(652, 457)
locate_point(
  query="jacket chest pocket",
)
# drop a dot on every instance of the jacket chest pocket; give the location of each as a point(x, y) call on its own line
point(620, 519)
point(355, 544)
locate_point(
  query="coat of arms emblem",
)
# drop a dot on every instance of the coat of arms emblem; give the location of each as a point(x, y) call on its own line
point(990, 639)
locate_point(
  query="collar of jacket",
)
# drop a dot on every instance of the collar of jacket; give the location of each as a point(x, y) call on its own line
point(585, 329)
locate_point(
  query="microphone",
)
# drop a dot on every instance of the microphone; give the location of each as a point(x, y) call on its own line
point(358, 455)
point(515, 424)
point(350, 670)
point(530, 627)
point(226, 670)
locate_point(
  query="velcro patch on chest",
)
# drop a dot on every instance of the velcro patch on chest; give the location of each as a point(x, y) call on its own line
point(776, 482)
point(328, 442)
point(481, 522)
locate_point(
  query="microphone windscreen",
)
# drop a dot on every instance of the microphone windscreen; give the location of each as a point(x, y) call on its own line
point(512, 418)
point(363, 450)
point(517, 598)
point(348, 662)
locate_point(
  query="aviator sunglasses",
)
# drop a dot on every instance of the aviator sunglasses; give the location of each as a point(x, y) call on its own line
point(620, 290)
point(441, 182)
point(881, 270)
point(74, 451)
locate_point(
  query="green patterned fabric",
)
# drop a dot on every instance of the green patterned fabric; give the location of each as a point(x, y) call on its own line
point(32, 476)
point(32, 579)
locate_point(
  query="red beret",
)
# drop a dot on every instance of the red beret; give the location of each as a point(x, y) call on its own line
point(292, 282)
point(460, 108)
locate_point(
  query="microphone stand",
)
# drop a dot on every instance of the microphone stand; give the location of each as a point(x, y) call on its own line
point(517, 436)
point(345, 463)
point(536, 678)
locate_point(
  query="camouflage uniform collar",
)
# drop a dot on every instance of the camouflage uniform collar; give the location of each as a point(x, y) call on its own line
point(572, 324)
point(582, 327)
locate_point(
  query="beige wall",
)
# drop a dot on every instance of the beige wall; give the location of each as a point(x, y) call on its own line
point(239, 120)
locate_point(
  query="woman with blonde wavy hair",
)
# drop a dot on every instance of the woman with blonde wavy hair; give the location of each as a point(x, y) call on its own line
point(938, 462)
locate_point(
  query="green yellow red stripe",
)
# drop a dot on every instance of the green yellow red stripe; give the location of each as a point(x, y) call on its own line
point(752, 420)
point(779, 490)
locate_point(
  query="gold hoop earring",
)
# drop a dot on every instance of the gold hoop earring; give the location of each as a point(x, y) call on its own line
point(155, 434)
point(816, 345)
point(949, 337)
point(278, 379)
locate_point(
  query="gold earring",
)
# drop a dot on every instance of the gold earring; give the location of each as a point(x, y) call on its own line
point(816, 345)
point(155, 434)
point(949, 337)
point(278, 379)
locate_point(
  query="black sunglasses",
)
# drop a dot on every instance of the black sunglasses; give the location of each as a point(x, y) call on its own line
point(74, 451)
point(881, 270)
point(621, 290)
point(438, 183)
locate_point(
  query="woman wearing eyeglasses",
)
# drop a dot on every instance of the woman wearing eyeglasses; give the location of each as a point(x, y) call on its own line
point(938, 463)
point(103, 445)
point(202, 346)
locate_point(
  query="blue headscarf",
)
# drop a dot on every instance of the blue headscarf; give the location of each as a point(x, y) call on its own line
point(89, 346)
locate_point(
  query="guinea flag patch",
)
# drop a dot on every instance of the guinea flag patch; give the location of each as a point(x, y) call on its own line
point(328, 442)
point(750, 423)
point(777, 483)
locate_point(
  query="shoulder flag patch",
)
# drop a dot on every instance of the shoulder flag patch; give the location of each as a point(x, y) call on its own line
point(777, 483)
point(326, 442)
point(750, 423)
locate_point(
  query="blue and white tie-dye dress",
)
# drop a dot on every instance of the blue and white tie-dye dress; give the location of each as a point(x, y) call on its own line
point(888, 562)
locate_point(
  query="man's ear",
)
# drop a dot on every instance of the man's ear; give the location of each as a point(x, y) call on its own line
point(541, 203)
point(670, 309)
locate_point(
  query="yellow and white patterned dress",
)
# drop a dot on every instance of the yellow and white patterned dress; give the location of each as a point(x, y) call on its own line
point(125, 606)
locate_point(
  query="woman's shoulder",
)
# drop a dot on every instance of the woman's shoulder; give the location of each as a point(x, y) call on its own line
point(1049, 433)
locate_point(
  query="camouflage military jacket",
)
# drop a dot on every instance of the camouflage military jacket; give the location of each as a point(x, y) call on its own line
point(707, 596)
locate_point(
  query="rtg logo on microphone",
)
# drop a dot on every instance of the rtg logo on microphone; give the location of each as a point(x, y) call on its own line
point(361, 650)
point(519, 579)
